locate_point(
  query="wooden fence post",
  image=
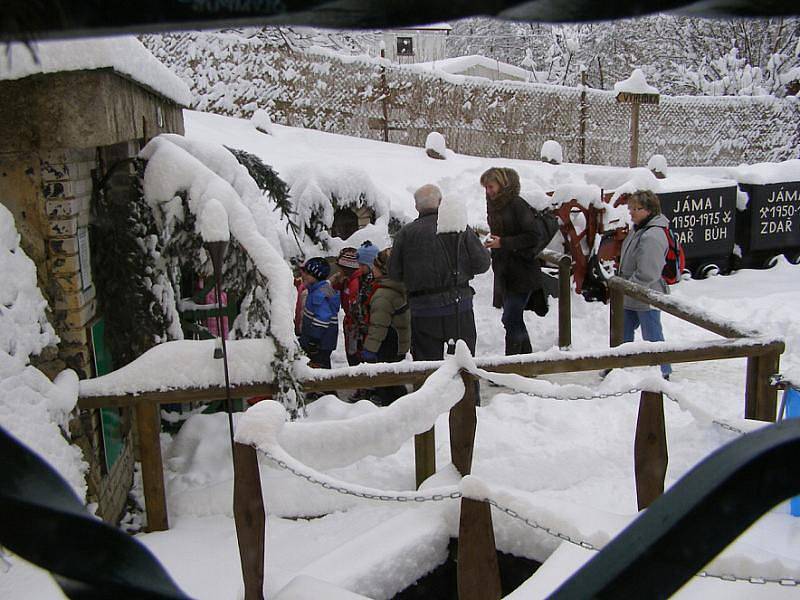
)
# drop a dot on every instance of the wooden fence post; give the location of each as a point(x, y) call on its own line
point(463, 422)
point(634, 159)
point(250, 519)
point(761, 399)
point(425, 454)
point(478, 570)
point(650, 449)
point(584, 109)
point(616, 299)
point(148, 423)
point(564, 303)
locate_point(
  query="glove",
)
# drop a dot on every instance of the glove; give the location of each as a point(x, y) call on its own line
point(368, 356)
point(312, 347)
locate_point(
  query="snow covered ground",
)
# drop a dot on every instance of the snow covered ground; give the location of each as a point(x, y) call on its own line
point(567, 465)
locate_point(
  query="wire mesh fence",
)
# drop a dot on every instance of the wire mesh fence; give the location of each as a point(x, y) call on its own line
point(235, 76)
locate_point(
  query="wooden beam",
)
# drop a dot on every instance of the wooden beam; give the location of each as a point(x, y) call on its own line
point(250, 519)
point(678, 308)
point(634, 159)
point(463, 422)
point(148, 422)
point(650, 449)
point(717, 350)
point(616, 301)
point(415, 373)
point(564, 264)
point(425, 455)
point(761, 399)
point(565, 304)
point(478, 570)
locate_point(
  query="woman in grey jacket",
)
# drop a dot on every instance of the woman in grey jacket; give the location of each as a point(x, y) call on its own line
point(641, 261)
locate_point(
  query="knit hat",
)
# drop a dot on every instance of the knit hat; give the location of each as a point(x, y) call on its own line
point(382, 260)
point(367, 253)
point(318, 268)
point(348, 258)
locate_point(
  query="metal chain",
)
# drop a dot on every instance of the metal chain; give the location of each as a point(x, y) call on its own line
point(592, 397)
point(722, 424)
point(728, 427)
point(557, 534)
point(784, 581)
point(359, 494)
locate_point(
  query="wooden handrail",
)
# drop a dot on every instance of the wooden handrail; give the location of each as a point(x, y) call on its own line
point(679, 308)
point(523, 364)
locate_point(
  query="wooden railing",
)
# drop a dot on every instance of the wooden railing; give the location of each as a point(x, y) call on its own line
point(760, 397)
point(477, 567)
point(564, 264)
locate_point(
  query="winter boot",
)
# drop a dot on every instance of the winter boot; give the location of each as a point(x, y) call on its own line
point(513, 346)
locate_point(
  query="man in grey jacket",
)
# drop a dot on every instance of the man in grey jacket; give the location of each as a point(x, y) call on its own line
point(641, 261)
point(436, 269)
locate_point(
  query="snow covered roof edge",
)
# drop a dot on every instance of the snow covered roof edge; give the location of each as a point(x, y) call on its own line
point(125, 55)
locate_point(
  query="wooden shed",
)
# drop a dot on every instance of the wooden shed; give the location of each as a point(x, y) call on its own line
point(69, 111)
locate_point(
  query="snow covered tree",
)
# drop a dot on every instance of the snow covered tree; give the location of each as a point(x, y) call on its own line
point(131, 273)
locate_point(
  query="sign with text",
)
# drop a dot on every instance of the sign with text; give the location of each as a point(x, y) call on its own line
point(774, 217)
point(703, 219)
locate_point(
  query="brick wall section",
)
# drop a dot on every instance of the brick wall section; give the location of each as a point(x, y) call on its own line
point(66, 192)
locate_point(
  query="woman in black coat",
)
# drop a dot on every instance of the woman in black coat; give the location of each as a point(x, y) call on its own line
point(518, 235)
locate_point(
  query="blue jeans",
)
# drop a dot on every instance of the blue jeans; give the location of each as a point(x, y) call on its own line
point(650, 320)
point(517, 340)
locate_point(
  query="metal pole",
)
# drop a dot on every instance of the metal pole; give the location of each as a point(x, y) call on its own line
point(217, 251)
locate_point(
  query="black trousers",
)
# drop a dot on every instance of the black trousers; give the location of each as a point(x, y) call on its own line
point(430, 334)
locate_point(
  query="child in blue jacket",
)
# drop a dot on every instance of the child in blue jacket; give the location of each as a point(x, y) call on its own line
point(319, 330)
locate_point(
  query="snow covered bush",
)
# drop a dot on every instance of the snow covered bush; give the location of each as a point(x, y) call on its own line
point(317, 192)
point(32, 408)
point(262, 121)
point(182, 181)
point(24, 328)
point(552, 153)
point(658, 165)
point(435, 145)
point(133, 284)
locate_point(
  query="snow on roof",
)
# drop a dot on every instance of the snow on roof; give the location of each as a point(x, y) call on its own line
point(125, 55)
point(635, 84)
point(459, 64)
point(765, 173)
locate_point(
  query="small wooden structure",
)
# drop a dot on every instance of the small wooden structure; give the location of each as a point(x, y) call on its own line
point(416, 44)
point(635, 99)
point(61, 132)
